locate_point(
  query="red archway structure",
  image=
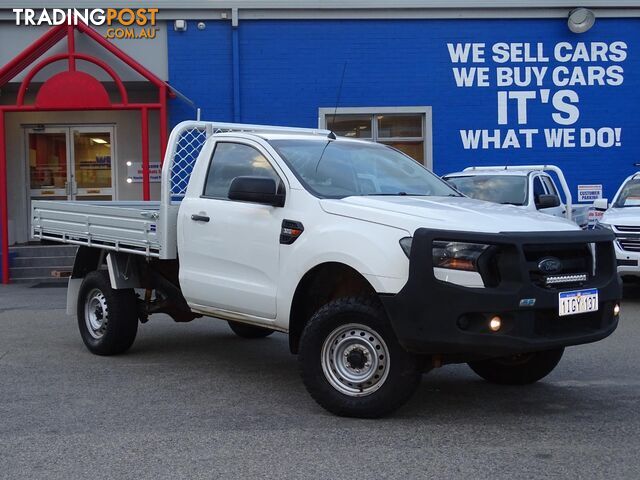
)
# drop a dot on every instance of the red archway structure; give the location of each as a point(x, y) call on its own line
point(73, 90)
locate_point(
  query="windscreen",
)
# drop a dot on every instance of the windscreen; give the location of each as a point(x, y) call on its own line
point(630, 195)
point(505, 189)
point(337, 169)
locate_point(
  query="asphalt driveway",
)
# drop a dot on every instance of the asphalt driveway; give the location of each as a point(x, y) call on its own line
point(195, 401)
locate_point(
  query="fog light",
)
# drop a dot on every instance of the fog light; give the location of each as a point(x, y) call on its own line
point(495, 323)
point(616, 310)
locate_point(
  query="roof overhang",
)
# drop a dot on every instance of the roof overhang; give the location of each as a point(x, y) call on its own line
point(357, 9)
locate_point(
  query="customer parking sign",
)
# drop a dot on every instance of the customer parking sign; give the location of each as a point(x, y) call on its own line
point(589, 193)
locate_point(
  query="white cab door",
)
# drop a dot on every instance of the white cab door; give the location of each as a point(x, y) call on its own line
point(229, 250)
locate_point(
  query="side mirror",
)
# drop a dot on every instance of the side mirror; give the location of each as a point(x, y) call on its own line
point(257, 190)
point(547, 201)
point(601, 204)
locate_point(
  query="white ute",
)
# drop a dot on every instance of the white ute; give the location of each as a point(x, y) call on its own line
point(529, 187)
point(375, 268)
point(623, 218)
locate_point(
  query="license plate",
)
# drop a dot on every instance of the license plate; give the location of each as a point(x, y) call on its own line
point(577, 301)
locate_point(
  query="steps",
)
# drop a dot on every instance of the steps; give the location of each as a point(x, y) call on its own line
point(34, 263)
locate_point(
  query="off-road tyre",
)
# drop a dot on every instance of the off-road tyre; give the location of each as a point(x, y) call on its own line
point(521, 369)
point(389, 385)
point(107, 318)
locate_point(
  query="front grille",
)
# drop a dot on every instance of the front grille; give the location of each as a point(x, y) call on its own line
point(576, 261)
point(627, 228)
point(629, 244)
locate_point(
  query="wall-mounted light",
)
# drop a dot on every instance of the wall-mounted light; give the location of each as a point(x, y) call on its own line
point(180, 25)
point(580, 20)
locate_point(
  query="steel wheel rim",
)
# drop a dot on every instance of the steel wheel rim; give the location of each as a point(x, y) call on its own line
point(355, 360)
point(96, 314)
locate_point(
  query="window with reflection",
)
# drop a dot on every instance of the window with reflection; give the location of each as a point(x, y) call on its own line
point(403, 131)
point(231, 160)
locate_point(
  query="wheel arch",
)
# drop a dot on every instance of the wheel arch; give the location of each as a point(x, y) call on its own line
point(87, 260)
point(90, 259)
point(322, 283)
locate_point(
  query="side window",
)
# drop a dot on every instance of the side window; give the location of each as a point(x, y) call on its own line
point(538, 189)
point(231, 160)
point(551, 187)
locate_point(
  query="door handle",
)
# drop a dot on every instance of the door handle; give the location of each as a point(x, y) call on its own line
point(199, 218)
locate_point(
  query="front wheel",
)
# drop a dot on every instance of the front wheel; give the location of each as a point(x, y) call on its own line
point(352, 363)
point(520, 369)
point(107, 318)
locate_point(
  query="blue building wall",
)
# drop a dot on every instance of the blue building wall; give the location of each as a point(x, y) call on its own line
point(288, 69)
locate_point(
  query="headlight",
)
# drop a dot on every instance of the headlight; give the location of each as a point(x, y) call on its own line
point(457, 255)
point(603, 225)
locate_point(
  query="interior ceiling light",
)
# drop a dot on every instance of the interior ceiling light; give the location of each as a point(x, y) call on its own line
point(580, 20)
point(99, 140)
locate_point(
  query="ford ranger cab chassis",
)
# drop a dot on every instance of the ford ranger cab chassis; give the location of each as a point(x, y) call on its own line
point(375, 268)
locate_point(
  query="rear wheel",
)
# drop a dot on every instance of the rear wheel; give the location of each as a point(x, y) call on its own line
point(518, 369)
point(107, 318)
point(351, 361)
point(249, 331)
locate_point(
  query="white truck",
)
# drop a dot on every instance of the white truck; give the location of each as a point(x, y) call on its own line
point(375, 268)
point(622, 217)
point(529, 187)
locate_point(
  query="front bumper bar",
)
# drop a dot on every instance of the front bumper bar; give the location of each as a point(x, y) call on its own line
point(430, 316)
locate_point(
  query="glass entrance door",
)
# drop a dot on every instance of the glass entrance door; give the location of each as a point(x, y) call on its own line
point(70, 163)
point(47, 157)
point(92, 153)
